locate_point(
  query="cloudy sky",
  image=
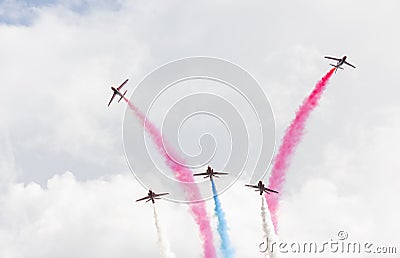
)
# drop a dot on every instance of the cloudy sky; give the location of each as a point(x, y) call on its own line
point(65, 187)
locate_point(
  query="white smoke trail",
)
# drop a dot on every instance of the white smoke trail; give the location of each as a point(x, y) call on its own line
point(161, 240)
point(268, 228)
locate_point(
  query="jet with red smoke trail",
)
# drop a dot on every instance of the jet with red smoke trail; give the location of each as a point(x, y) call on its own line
point(210, 173)
point(184, 175)
point(293, 136)
point(261, 188)
point(151, 196)
point(116, 91)
point(340, 62)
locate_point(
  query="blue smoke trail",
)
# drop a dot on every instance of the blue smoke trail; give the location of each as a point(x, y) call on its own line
point(226, 248)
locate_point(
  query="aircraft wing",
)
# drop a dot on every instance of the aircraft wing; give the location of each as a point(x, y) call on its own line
point(253, 186)
point(270, 190)
point(122, 85)
point(349, 64)
point(161, 194)
point(142, 199)
point(220, 173)
point(200, 174)
point(332, 58)
point(113, 96)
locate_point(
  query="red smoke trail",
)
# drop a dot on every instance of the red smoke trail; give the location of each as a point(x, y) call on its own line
point(183, 175)
point(290, 140)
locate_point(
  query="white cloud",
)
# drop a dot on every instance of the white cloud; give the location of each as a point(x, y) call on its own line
point(58, 77)
point(98, 218)
point(7, 163)
point(95, 218)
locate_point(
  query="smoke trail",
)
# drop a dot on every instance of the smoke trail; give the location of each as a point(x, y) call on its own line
point(161, 240)
point(182, 174)
point(290, 140)
point(226, 248)
point(268, 228)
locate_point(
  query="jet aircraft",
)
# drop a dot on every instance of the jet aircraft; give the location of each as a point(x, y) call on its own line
point(210, 173)
point(261, 188)
point(151, 196)
point(116, 91)
point(340, 62)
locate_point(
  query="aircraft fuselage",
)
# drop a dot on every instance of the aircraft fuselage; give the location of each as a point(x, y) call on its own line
point(116, 91)
point(151, 195)
point(341, 61)
point(261, 187)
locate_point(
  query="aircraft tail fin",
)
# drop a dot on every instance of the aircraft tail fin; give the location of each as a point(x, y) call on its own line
point(266, 191)
point(337, 67)
point(123, 95)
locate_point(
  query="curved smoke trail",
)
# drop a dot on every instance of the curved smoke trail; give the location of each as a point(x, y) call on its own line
point(290, 140)
point(226, 248)
point(184, 175)
point(161, 240)
point(268, 228)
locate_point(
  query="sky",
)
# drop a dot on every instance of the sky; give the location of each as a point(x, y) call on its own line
point(66, 188)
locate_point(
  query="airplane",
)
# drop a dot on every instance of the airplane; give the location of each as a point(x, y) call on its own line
point(151, 196)
point(261, 188)
point(210, 173)
point(340, 62)
point(116, 91)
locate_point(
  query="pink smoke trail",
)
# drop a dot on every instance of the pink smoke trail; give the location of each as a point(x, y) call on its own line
point(182, 174)
point(290, 141)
